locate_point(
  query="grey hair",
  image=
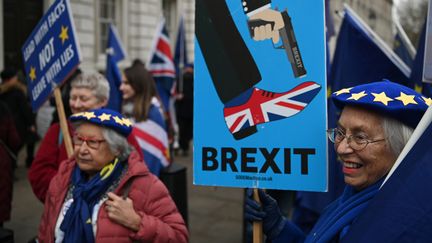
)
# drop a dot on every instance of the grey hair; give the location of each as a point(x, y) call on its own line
point(397, 134)
point(95, 82)
point(117, 143)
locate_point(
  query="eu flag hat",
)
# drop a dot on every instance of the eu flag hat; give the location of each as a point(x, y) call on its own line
point(387, 98)
point(105, 118)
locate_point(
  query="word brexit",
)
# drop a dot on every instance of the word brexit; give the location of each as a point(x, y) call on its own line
point(245, 160)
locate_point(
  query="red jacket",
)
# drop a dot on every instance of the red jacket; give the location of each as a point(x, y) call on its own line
point(46, 163)
point(160, 219)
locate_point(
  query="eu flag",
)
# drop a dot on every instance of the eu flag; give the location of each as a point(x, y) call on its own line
point(402, 210)
point(402, 46)
point(417, 69)
point(115, 53)
point(180, 54)
point(361, 56)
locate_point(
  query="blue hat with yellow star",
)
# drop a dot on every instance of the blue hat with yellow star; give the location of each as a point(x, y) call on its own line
point(387, 98)
point(105, 118)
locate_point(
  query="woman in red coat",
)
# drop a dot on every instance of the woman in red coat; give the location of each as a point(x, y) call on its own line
point(105, 193)
point(88, 91)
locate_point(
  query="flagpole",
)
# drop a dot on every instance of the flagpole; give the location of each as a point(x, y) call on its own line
point(63, 123)
point(181, 62)
point(421, 127)
point(257, 225)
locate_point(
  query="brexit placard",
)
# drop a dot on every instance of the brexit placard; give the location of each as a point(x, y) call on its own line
point(51, 53)
point(260, 94)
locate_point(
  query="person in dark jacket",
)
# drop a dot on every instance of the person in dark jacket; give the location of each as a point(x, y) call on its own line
point(184, 109)
point(14, 94)
point(9, 145)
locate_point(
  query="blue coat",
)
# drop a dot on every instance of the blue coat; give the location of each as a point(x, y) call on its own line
point(336, 219)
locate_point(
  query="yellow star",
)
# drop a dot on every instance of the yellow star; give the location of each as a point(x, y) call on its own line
point(357, 96)
point(396, 44)
point(78, 114)
point(127, 122)
point(428, 101)
point(88, 221)
point(64, 34)
point(89, 115)
point(382, 97)
point(32, 73)
point(328, 91)
point(343, 91)
point(418, 88)
point(104, 117)
point(118, 120)
point(406, 99)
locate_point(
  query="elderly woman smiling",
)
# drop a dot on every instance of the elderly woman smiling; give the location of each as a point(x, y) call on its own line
point(105, 193)
point(376, 122)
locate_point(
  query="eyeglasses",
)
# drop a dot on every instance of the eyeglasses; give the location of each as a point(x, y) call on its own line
point(355, 141)
point(92, 143)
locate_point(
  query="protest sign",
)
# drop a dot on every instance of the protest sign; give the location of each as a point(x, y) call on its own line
point(260, 104)
point(51, 52)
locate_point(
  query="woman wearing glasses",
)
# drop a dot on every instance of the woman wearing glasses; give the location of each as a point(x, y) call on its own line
point(88, 91)
point(105, 193)
point(376, 121)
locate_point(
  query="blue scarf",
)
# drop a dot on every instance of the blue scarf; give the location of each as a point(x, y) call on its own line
point(339, 216)
point(77, 223)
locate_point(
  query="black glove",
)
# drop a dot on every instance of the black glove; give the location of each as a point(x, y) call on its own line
point(268, 212)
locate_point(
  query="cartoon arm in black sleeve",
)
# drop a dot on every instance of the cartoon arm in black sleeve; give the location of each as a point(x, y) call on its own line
point(233, 70)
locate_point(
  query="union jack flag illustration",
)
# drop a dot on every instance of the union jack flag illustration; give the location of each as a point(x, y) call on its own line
point(263, 106)
point(161, 65)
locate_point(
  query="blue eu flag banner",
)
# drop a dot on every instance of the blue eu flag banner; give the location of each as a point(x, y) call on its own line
point(401, 50)
point(362, 57)
point(115, 53)
point(417, 69)
point(402, 46)
point(402, 210)
point(180, 55)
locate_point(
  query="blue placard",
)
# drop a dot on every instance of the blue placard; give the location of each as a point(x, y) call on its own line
point(260, 107)
point(51, 53)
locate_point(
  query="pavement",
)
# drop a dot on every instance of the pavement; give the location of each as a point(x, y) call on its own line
point(214, 213)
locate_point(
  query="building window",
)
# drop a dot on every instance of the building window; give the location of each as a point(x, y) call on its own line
point(170, 13)
point(107, 16)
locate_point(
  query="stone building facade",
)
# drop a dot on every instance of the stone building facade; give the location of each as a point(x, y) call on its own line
point(136, 21)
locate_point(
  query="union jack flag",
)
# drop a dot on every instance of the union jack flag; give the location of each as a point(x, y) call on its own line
point(161, 65)
point(263, 106)
point(153, 139)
